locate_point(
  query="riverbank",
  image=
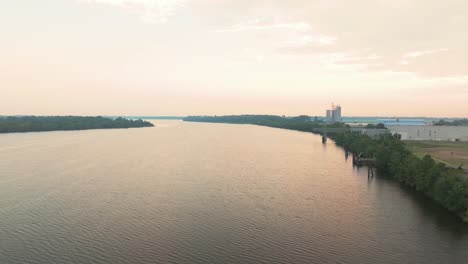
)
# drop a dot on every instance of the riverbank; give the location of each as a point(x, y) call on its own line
point(195, 193)
point(15, 124)
point(440, 183)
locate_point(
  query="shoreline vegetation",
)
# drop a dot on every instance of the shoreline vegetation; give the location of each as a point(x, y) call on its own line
point(458, 122)
point(18, 124)
point(440, 183)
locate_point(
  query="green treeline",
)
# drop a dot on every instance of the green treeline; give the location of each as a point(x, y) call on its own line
point(377, 126)
point(300, 123)
point(444, 185)
point(458, 122)
point(12, 124)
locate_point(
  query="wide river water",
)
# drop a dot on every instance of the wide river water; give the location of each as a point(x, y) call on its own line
point(208, 193)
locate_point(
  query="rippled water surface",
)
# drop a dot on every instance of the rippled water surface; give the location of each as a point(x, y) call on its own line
point(208, 193)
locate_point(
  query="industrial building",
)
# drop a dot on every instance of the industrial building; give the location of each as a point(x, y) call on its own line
point(402, 122)
point(371, 132)
point(428, 132)
point(333, 115)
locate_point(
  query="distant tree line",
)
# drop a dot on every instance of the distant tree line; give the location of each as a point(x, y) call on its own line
point(300, 123)
point(12, 124)
point(457, 122)
point(376, 126)
point(156, 117)
point(445, 185)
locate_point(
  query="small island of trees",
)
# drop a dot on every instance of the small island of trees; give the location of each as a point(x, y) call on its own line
point(11, 124)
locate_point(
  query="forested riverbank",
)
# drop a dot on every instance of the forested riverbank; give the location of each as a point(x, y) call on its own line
point(438, 182)
point(300, 123)
point(11, 124)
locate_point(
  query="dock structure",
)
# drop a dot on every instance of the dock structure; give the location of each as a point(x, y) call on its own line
point(324, 135)
point(359, 161)
point(369, 162)
point(324, 139)
point(370, 172)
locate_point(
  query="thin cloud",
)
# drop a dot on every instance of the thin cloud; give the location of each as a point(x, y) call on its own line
point(353, 59)
point(302, 50)
point(458, 87)
point(257, 24)
point(149, 11)
point(359, 61)
point(319, 40)
point(311, 44)
point(411, 36)
point(415, 54)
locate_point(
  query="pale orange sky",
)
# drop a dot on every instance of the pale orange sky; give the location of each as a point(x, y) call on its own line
point(187, 57)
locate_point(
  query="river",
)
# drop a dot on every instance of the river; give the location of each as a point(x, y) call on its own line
point(208, 193)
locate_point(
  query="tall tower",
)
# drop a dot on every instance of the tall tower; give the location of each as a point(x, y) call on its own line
point(333, 115)
point(338, 113)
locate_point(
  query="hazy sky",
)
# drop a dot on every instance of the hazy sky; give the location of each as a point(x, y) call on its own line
point(179, 57)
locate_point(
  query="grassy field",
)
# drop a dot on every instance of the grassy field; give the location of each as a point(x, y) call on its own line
point(453, 154)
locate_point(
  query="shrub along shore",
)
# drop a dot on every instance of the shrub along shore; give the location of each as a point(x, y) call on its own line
point(442, 184)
